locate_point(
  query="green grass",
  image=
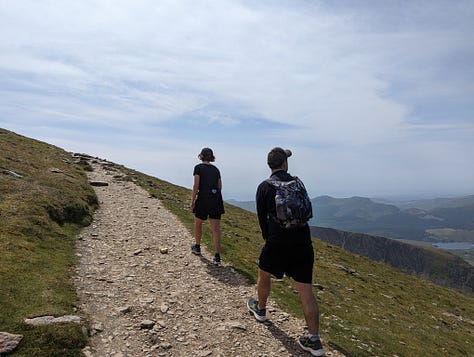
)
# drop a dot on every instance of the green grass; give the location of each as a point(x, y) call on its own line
point(40, 216)
point(367, 308)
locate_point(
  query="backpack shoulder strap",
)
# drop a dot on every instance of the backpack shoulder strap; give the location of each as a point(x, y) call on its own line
point(273, 180)
point(298, 181)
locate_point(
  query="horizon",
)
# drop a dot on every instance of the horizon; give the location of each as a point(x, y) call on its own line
point(390, 199)
point(374, 100)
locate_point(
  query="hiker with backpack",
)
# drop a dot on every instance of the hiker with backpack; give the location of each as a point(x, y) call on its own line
point(206, 201)
point(283, 210)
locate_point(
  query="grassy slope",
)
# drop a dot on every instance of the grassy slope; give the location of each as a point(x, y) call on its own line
point(367, 308)
point(40, 215)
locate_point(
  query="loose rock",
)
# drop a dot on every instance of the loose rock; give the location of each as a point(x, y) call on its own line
point(49, 320)
point(9, 341)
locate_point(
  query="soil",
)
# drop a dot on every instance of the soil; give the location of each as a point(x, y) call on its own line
point(145, 294)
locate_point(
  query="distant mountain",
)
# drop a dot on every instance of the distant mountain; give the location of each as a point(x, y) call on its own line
point(363, 215)
point(413, 220)
point(246, 205)
point(429, 204)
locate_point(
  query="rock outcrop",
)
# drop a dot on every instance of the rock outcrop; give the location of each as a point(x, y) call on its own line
point(441, 268)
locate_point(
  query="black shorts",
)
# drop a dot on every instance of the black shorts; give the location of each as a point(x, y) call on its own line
point(211, 208)
point(293, 261)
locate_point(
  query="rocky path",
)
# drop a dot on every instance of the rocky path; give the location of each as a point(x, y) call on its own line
point(147, 295)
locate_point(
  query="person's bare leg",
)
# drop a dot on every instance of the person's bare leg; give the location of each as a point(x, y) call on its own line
point(197, 230)
point(310, 306)
point(263, 288)
point(216, 234)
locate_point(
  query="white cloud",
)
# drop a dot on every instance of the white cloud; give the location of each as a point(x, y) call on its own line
point(356, 87)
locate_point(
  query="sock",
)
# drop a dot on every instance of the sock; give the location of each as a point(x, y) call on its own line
point(312, 337)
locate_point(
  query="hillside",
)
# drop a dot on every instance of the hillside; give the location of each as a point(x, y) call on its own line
point(440, 267)
point(45, 199)
point(246, 205)
point(429, 204)
point(363, 215)
point(363, 303)
point(367, 308)
point(446, 220)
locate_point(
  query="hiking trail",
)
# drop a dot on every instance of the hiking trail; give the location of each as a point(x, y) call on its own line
point(147, 295)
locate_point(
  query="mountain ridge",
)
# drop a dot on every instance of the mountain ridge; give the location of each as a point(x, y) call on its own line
point(367, 308)
point(440, 267)
point(409, 222)
point(363, 215)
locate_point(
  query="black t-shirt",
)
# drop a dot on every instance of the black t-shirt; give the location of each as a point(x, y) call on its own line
point(266, 210)
point(209, 176)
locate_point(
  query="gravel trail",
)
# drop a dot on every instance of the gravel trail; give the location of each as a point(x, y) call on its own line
point(147, 295)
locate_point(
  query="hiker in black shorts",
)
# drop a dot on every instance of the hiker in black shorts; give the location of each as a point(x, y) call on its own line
point(206, 201)
point(286, 252)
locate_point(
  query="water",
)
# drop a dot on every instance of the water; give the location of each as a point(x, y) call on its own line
point(454, 245)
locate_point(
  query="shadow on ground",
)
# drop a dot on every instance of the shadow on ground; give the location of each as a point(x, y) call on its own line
point(224, 273)
point(288, 342)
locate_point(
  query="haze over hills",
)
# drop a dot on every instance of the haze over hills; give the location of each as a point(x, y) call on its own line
point(434, 220)
point(427, 204)
point(414, 220)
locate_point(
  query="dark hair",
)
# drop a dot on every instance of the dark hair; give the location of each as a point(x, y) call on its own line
point(207, 155)
point(276, 157)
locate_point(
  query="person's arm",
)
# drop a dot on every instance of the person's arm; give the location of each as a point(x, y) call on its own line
point(262, 212)
point(219, 184)
point(195, 191)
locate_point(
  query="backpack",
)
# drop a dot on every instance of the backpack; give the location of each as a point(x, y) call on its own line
point(293, 206)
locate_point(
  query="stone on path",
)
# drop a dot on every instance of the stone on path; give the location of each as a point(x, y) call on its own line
point(147, 324)
point(98, 183)
point(8, 342)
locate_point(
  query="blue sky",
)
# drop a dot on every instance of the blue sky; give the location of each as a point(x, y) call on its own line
point(375, 98)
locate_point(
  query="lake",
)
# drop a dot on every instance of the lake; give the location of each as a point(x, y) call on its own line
point(454, 245)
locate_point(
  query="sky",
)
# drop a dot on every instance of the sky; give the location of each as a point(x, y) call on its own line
point(374, 98)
